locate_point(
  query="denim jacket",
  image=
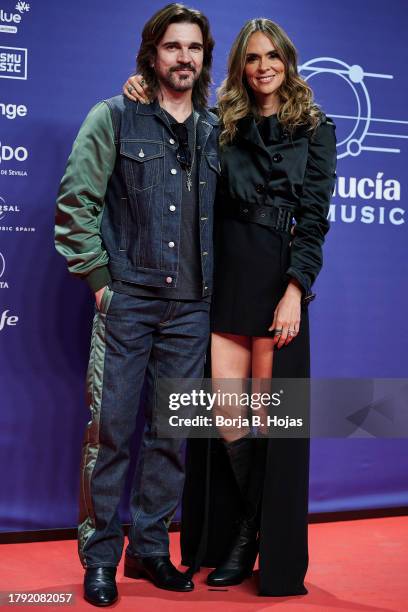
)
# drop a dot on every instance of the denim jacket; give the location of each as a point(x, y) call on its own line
point(119, 203)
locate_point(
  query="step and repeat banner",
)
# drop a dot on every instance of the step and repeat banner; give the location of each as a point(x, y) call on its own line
point(57, 59)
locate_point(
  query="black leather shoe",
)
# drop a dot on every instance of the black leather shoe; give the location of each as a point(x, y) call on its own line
point(158, 570)
point(240, 561)
point(100, 586)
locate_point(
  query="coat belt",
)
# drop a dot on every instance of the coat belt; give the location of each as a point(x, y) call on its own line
point(278, 217)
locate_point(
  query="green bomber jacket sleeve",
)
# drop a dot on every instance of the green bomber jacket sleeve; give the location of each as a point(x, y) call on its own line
point(311, 215)
point(81, 196)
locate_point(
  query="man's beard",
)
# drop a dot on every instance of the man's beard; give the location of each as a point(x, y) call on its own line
point(180, 82)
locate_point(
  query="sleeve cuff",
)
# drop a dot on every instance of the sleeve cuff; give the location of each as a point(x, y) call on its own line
point(98, 278)
point(308, 295)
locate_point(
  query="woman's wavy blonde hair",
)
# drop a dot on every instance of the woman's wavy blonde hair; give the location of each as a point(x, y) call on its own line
point(236, 99)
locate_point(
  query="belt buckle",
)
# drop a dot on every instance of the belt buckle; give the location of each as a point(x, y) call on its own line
point(279, 220)
point(283, 220)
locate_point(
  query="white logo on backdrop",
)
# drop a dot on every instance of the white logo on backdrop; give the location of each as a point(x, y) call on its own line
point(13, 63)
point(23, 7)
point(7, 208)
point(364, 132)
point(3, 283)
point(9, 22)
point(7, 320)
point(8, 153)
point(2, 265)
point(12, 111)
point(360, 129)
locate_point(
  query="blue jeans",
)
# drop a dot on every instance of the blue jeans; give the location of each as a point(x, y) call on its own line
point(134, 338)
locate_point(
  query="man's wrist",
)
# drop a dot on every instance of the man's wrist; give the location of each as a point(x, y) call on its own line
point(99, 278)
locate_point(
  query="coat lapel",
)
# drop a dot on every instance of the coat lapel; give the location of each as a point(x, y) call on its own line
point(249, 132)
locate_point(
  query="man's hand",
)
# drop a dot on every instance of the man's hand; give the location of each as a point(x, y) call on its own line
point(98, 296)
point(135, 89)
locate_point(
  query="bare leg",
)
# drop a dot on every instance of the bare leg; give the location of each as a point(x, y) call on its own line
point(231, 366)
point(262, 365)
point(262, 357)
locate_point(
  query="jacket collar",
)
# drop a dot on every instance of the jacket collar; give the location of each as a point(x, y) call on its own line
point(154, 109)
point(247, 129)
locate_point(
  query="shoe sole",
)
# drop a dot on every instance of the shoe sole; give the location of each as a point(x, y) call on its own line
point(101, 605)
point(226, 583)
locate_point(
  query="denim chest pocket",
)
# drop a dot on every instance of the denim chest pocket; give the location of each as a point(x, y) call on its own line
point(142, 163)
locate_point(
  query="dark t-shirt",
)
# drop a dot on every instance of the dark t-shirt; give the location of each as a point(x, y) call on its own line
point(189, 283)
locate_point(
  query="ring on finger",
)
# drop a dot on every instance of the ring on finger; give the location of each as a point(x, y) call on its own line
point(130, 88)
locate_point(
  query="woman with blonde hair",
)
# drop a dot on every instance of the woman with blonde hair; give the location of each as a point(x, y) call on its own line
point(278, 158)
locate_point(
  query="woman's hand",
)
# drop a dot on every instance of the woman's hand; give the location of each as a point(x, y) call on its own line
point(286, 320)
point(135, 89)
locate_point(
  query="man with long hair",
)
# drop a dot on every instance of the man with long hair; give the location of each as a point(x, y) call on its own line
point(134, 219)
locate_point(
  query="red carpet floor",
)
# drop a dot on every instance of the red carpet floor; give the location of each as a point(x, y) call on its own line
point(359, 566)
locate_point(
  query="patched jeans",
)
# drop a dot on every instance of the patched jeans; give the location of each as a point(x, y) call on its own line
point(134, 338)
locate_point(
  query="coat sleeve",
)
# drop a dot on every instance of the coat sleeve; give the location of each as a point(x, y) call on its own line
point(81, 196)
point(311, 215)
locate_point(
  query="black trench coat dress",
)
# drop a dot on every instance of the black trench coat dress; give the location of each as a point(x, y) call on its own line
point(293, 172)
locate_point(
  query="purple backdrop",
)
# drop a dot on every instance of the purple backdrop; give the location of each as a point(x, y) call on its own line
point(56, 61)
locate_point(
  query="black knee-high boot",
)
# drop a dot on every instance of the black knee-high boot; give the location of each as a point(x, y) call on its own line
point(247, 458)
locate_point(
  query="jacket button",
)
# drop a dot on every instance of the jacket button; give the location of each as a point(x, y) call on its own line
point(173, 171)
point(259, 188)
point(172, 207)
point(169, 280)
point(172, 141)
point(277, 158)
point(171, 245)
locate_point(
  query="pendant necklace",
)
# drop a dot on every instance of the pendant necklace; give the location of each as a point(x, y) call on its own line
point(188, 170)
point(189, 182)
